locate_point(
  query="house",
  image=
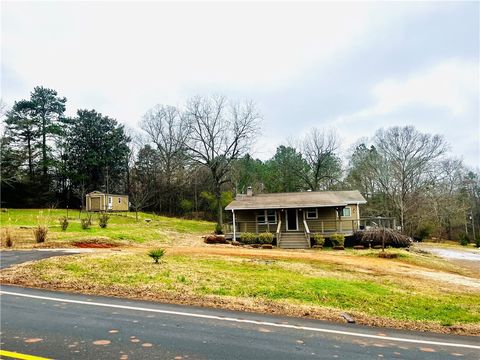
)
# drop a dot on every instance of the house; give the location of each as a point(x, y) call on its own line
point(294, 217)
point(98, 201)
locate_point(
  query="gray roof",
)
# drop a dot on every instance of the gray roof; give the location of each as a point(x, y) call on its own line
point(296, 200)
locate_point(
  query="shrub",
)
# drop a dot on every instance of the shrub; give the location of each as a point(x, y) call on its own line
point(218, 229)
point(265, 238)
point(40, 234)
point(8, 238)
point(463, 239)
point(337, 239)
point(375, 236)
point(214, 239)
point(85, 223)
point(319, 239)
point(186, 205)
point(156, 254)
point(423, 232)
point(248, 238)
point(103, 220)
point(63, 223)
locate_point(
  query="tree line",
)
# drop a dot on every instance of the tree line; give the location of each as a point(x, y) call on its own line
point(192, 160)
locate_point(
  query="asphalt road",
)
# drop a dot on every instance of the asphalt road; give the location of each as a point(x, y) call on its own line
point(68, 326)
point(11, 257)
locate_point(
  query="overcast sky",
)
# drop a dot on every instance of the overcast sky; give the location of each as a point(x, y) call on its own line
point(354, 67)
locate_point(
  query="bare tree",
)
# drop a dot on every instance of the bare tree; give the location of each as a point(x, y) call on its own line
point(140, 196)
point(319, 151)
point(405, 164)
point(219, 132)
point(167, 130)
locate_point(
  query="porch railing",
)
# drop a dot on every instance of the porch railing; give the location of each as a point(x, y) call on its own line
point(312, 226)
point(306, 232)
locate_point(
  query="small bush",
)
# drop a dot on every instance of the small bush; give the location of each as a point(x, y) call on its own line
point(463, 239)
point(156, 254)
point(85, 223)
point(63, 223)
point(8, 238)
point(265, 238)
point(337, 239)
point(248, 238)
point(40, 234)
point(319, 239)
point(186, 206)
point(218, 229)
point(103, 220)
point(424, 232)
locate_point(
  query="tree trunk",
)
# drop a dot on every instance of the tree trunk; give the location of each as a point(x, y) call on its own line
point(30, 160)
point(44, 147)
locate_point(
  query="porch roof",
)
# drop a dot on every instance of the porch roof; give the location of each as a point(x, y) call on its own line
point(307, 199)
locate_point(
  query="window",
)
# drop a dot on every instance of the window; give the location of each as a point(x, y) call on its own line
point(312, 213)
point(267, 217)
point(119, 200)
point(347, 212)
point(109, 200)
point(271, 216)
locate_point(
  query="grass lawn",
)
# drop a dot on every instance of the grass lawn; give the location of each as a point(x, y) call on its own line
point(121, 226)
point(322, 287)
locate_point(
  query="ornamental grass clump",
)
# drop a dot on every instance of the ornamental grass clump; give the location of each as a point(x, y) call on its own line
point(8, 238)
point(85, 223)
point(63, 223)
point(103, 220)
point(156, 254)
point(40, 233)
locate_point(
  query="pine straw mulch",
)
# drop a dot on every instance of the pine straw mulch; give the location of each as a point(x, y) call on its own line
point(19, 277)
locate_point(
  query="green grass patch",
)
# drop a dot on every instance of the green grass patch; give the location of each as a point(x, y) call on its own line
point(278, 281)
point(121, 226)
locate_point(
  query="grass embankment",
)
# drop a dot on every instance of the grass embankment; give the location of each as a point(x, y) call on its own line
point(121, 226)
point(319, 288)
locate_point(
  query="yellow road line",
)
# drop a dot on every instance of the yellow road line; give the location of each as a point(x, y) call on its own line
point(15, 355)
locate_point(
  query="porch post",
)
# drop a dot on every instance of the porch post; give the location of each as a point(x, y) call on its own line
point(234, 226)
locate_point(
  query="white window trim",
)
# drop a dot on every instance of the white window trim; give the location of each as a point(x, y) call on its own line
point(350, 210)
point(265, 214)
point(309, 217)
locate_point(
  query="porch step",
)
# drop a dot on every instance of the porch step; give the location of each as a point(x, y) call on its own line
point(293, 241)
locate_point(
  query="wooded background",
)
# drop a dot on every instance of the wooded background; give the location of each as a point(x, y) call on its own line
point(191, 161)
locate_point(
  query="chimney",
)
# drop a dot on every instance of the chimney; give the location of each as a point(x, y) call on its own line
point(249, 191)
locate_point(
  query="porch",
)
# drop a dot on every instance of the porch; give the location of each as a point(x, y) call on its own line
point(293, 228)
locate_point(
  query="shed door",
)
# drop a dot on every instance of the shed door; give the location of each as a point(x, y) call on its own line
point(95, 203)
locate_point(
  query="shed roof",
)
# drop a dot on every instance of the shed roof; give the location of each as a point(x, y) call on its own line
point(102, 193)
point(296, 200)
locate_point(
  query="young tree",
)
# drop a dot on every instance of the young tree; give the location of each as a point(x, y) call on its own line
point(219, 132)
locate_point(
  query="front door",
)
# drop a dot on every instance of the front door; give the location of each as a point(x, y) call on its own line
point(292, 220)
